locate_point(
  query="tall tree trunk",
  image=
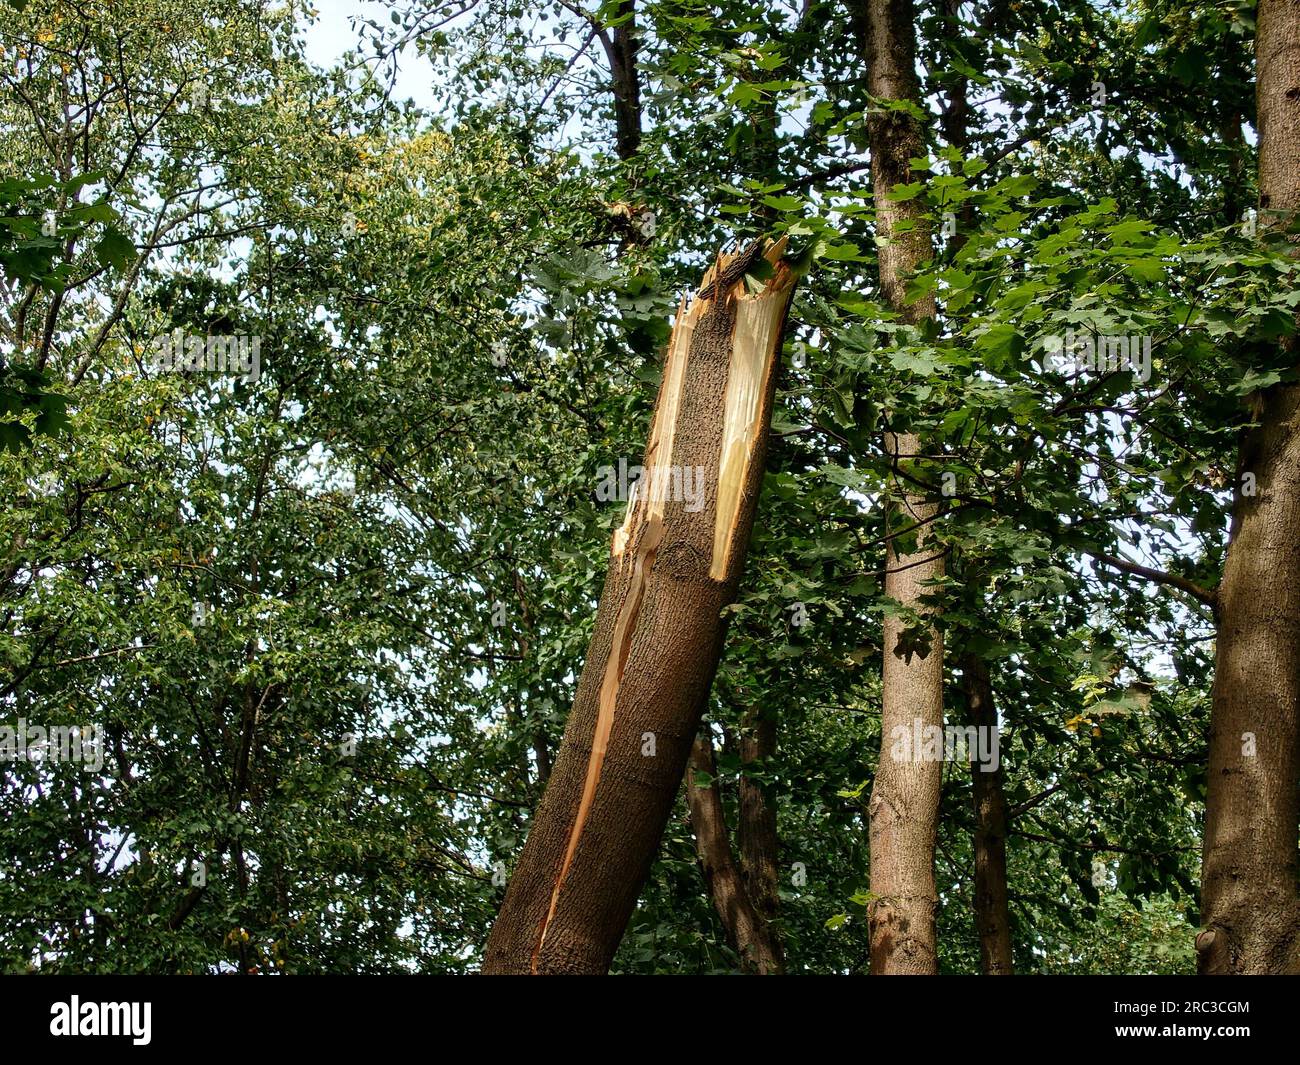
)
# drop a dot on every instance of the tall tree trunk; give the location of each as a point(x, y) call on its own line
point(627, 83)
point(1249, 906)
point(658, 635)
point(758, 836)
point(992, 915)
point(904, 807)
point(747, 930)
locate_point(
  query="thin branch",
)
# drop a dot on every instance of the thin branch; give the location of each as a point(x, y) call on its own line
point(1205, 595)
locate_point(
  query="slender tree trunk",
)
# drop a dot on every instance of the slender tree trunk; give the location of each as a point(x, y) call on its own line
point(954, 119)
point(904, 806)
point(758, 837)
point(992, 916)
point(1234, 183)
point(1249, 907)
point(658, 634)
point(627, 83)
point(747, 930)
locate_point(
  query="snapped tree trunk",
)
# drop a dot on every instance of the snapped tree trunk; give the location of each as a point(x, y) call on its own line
point(747, 930)
point(992, 915)
point(904, 806)
point(1249, 905)
point(674, 565)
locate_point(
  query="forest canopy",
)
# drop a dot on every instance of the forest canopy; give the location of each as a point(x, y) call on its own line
point(823, 475)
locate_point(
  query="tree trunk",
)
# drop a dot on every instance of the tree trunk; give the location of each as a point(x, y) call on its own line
point(1249, 905)
point(992, 916)
point(758, 838)
point(747, 930)
point(904, 807)
point(674, 566)
point(627, 84)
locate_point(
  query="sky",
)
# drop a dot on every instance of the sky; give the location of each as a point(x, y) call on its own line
point(331, 34)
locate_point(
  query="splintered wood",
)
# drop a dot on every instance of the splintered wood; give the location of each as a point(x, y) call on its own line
point(623, 629)
point(753, 355)
point(759, 317)
point(660, 448)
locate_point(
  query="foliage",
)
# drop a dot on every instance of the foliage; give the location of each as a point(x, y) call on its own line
point(329, 617)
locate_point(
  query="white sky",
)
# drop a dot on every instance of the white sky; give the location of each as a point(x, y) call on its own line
point(332, 34)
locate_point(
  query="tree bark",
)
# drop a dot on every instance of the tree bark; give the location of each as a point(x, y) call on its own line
point(904, 806)
point(992, 914)
point(627, 84)
point(658, 633)
point(1249, 908)
point(747, 930)
point(759, 842)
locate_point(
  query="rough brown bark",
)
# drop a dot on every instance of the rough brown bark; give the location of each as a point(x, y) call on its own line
point(1249, 905)
point(904, 805)
point(1249, 863)
point(657, 640)
point(757, 832)
point(1277, 108)
point(747, 930)
point(992, 914)
point(627, 83)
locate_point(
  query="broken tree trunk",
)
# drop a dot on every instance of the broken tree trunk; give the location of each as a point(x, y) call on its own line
point(904, 807)
point(658, 633)
point(747, 930)
point(1249, 905)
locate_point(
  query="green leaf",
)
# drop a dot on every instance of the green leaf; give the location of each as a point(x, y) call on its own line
point(905, 192)
point(114, 249)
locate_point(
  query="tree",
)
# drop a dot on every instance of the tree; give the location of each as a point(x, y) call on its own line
point(905, 795)
point(1250, 908)
point(328, 622)
point(673, 568)
point(733, 893)
point(992, 916)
